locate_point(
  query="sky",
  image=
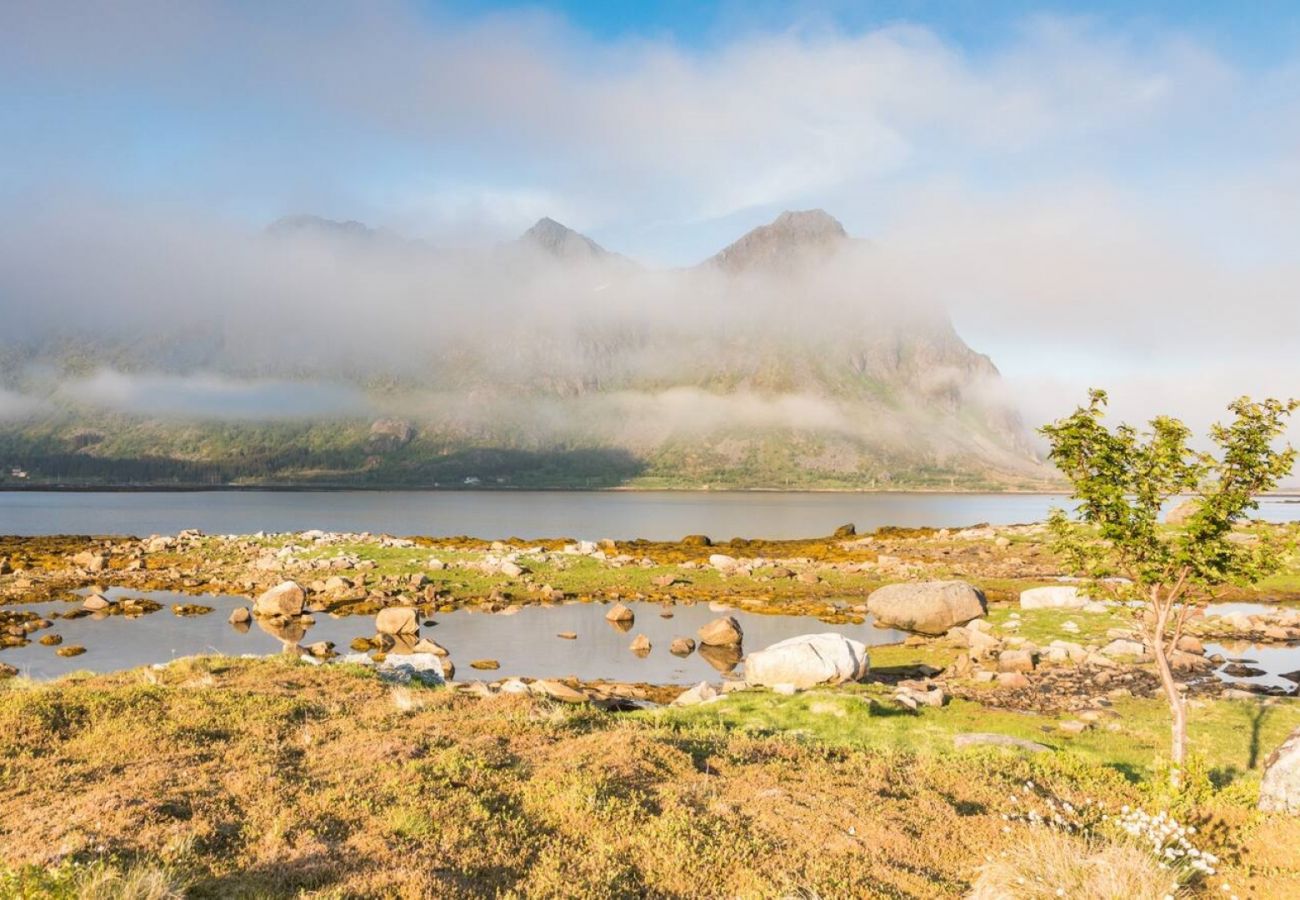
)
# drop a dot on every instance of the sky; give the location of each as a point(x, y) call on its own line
point(1099, 193)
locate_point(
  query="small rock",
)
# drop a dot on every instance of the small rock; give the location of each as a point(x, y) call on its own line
point(558, 690)
point(620, 613)
point(72, 650)
point(485, 664)
point(96, 603)
point(701, 693)
point(1012, 680)
point(52, 640)
point(640, 645)
point(568, 635)
point(682, 646)
point(1015, 661)
point(1053, 597)
point(723, 632)
point(239, 614)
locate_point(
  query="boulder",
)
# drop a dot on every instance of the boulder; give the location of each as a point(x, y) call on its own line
point(620, 613)
point(722, 562)
point(926, 607)
point(640, 645)
point(1062, 596)
point(807, 660)
point(558, 690)
point(723, 632)
point(96, 603)
point(511, 569)
point(1280, 789)
point(701, 693)
point(1015, 661)
point(1013, 680)
point(1124, 648)
point(7, 671)
point(285, 599)
point(91, 561)
point(397, 620)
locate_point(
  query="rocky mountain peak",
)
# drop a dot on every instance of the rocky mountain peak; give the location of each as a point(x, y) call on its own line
point(561, 241)
point(789, 238)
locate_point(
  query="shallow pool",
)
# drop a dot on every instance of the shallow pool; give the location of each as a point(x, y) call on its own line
point(524, 639)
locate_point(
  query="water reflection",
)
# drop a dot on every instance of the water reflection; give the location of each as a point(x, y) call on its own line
point(569, 639)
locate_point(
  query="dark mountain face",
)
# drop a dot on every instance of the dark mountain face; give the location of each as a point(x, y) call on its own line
point(775, 362)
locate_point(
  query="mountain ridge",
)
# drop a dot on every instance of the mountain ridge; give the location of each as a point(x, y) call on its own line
point(774, 362)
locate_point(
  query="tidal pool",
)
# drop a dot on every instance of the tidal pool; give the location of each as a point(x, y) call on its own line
point(524, 639)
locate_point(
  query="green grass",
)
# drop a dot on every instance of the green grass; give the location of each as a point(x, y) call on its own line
point(1230, 738)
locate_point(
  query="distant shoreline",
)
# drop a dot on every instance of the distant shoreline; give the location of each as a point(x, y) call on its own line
point(1289, 494)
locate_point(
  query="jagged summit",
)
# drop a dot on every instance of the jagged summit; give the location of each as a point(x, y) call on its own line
point(561, 241)
point(790, 237)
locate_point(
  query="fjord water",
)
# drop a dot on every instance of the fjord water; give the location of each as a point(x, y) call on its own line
point(524, 640)
point(621, 515)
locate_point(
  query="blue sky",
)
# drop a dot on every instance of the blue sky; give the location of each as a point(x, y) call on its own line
point(1069, 179)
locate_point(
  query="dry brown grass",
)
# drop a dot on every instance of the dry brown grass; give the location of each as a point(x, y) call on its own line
point(1043, 864)
point(263, 778)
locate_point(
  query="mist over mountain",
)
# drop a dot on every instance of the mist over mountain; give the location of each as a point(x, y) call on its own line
point(327, 351)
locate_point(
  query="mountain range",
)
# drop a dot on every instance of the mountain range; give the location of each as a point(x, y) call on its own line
point(326, 352)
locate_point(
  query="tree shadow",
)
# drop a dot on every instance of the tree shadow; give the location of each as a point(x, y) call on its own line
point(1256, 725)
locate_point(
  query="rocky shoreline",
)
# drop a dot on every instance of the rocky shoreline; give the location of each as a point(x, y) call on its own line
point(957, 648)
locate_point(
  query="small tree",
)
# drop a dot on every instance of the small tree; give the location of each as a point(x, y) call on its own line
point(1122, 479)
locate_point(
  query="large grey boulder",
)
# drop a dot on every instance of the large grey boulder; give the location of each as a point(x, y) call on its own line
point(807, 660)
point(926, 607)
point(285, 599)
point(1280, 789)
point(1061, 596)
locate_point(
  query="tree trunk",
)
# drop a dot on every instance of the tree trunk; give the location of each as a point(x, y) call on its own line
point(1177, 706)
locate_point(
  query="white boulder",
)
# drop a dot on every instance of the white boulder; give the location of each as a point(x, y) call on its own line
point(808, 660)
point(1061, 596)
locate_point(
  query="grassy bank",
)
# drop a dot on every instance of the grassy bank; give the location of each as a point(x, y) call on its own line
point(253, 778)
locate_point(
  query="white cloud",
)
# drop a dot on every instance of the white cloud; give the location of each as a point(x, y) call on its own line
point(210, 396)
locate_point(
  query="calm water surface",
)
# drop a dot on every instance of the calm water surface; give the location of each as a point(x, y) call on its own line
point(525, 514)
point(524, 641)
point(490, 514)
